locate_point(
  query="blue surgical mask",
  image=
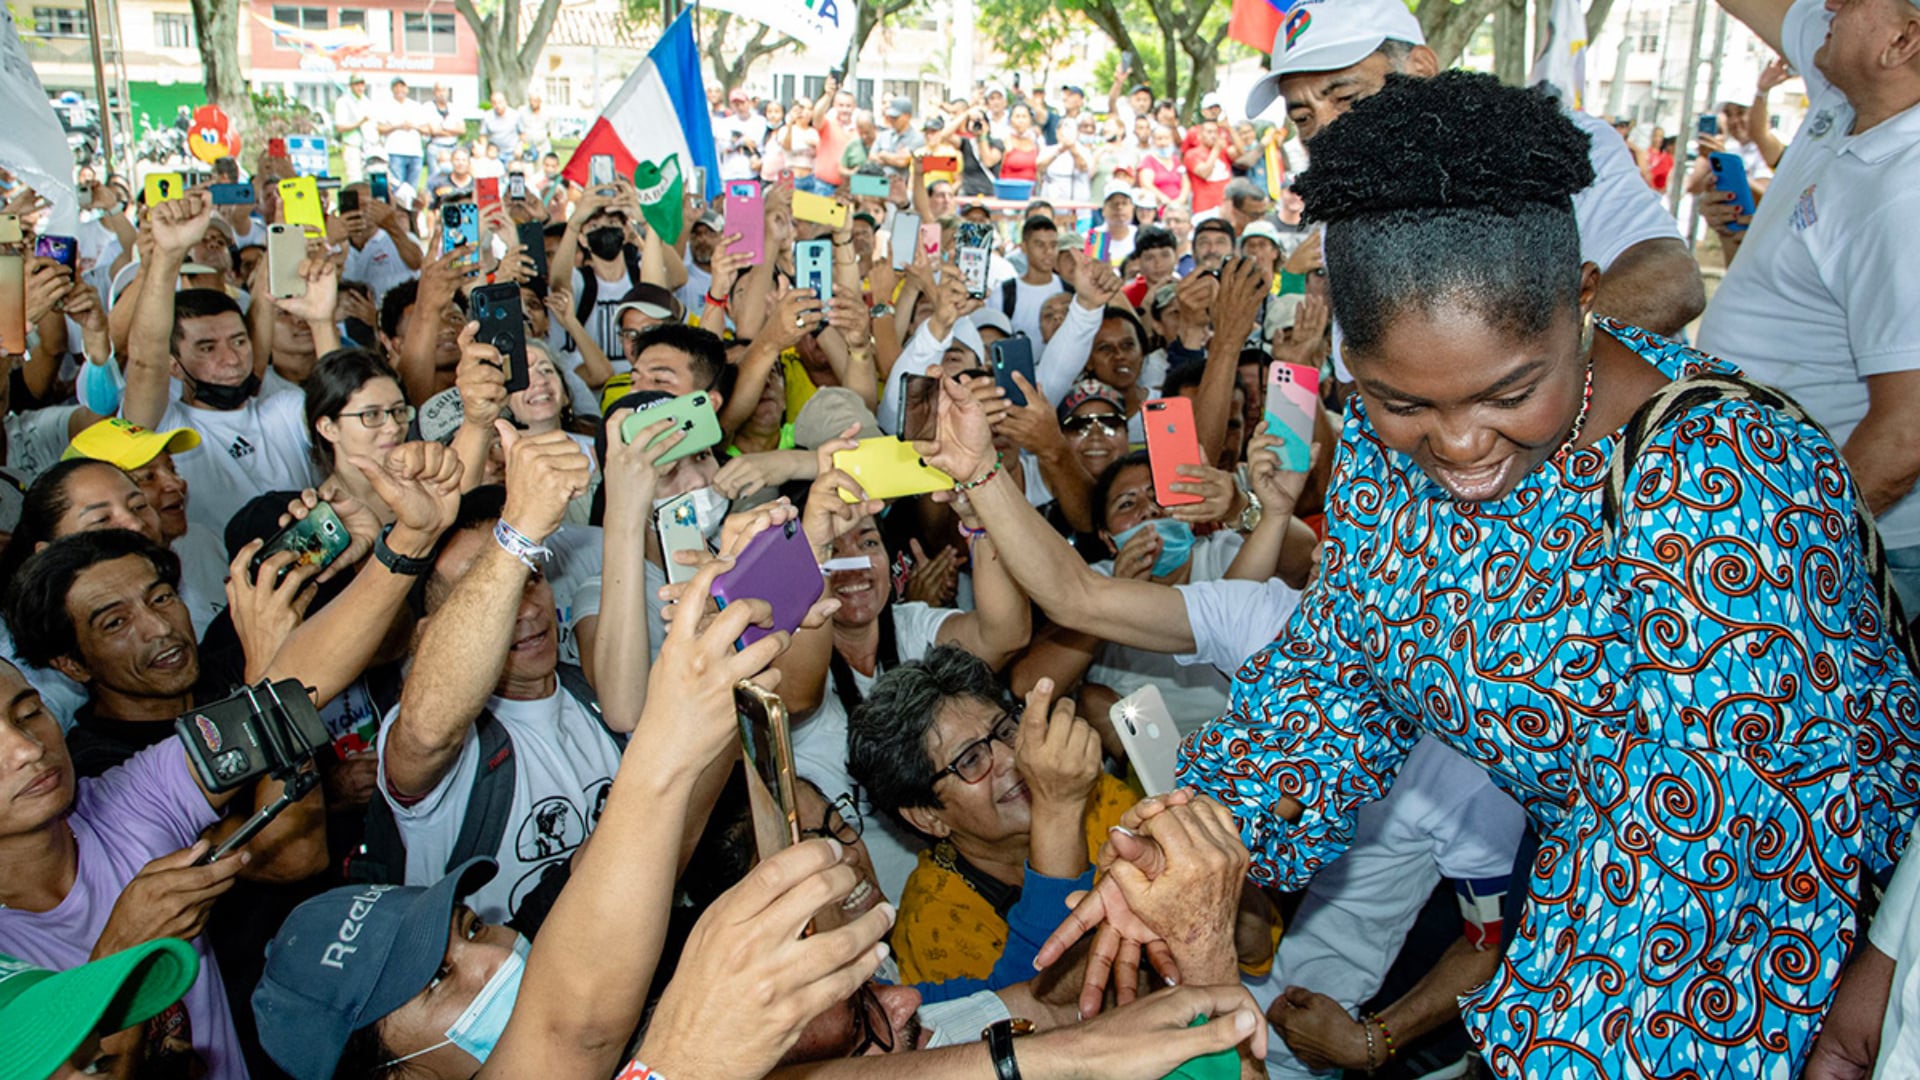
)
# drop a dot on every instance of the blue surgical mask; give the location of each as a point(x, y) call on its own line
point(477, 1030)
point(99, 387)
point(1176, 543)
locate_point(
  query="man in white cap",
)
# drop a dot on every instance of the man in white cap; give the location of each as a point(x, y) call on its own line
point(1329, 54)
point(1212, 108)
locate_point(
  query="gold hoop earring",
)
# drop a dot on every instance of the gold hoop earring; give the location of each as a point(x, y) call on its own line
point(1586, 334)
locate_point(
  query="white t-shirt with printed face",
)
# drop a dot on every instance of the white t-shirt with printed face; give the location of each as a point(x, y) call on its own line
point(261, 446)
point(563, 766)
point(1818, 300)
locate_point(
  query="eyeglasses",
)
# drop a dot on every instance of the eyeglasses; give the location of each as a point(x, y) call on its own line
point(872, 1023)
point(373, 418)
point(850, 827)
point(975, 760)
point(1079, 427)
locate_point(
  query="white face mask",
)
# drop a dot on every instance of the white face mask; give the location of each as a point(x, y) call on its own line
point(478, 1028)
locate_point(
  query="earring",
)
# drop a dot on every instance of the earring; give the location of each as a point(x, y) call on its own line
point(1586, 334)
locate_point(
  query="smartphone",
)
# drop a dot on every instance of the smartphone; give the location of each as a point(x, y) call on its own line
point(776, 566)
point(349, 201)
point(460, 225)
point(13, 304)
point(516, 186)
point(889, 468)
point(1010, 355)
point(1172, 441)
point(975, 242)
point(746, 214)
point(766, 749)
point(61, 249)
point(1730, 175)
point(237, 739)
point(866, 186)
point(232, 194)
point(533, 241)
point(1709, 124)
point(486, 190)
point(316, 540)
point(503, 325)
point(1150, 736)
point(906, 233)
point(693, 414)
point(679, 529)
point(919, 405)
point(300, 204)
point(700, 184)
point(163, 187)
point(939, 163)
point(1293, 400)
point(930, 241)
point(10, 229)
point(599, 170)
point(286, 246)
point(819, 209)
point(813, 267)
point(377, 183)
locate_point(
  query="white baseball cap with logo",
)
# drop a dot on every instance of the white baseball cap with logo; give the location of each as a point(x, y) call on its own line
point(1331, 35)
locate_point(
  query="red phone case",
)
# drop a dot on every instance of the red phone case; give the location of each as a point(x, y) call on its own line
point(486, 190)
point(1172, 441)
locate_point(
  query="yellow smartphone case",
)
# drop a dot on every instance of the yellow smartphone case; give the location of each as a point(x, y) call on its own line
point(163, 187)
point(300, 204)
point(819, 209)
point(887, 468)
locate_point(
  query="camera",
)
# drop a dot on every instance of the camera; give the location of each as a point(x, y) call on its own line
point(267, 730)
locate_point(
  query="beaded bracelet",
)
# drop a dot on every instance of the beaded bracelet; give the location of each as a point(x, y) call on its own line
point(983, 478)
point(1367, 1030)
point(1385, 1035)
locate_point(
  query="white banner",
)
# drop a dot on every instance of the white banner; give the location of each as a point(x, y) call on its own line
point(1562, 65)
point(826, 25)
point(33, 145)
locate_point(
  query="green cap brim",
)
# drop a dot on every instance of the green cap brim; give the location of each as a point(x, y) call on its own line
point(47, 1022)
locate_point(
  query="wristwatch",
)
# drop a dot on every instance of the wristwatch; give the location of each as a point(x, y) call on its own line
point(999, 1037)
point(879, 311)
point(403, 565)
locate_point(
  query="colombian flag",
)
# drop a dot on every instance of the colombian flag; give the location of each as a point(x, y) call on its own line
point(1255, 23)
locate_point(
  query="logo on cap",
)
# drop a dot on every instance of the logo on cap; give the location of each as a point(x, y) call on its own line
point(209, 734)
point(1297, 25)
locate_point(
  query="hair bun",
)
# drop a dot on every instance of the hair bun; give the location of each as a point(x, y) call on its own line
point(1458, 140)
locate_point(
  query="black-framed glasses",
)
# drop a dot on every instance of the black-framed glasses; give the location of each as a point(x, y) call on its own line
point(1079, 427)
point(373, 418)
point(850, 824)
point(871, 1023)
point(975, 760)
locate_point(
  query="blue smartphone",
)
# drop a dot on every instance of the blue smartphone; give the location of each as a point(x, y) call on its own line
point(377, 183)
point(460, 224)
point(813, 268)
point(1010, 355)
point(1730, 176)
point(232, 194)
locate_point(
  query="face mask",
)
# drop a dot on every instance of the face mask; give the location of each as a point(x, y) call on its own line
point(478, 1029)
point(605, 242)
point(1176, 543)
point(226, 398)
point(99, 387)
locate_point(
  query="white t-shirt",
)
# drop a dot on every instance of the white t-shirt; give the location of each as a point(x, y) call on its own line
point(1065, 181)
point(261, 446)
point(1027, 300)
point(820, 749)
point(378, 265)
point(1818, 299)
point(1194, 694)
point(563, 766)
point(1893, 933)
point(600, 321)
point(36, 439)
point(203, 574)
point(574, 576)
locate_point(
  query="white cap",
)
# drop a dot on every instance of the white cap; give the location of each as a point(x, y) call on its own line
point(1264, 229)
point(1332, 35)
point(991, 316)
point(1211, 100)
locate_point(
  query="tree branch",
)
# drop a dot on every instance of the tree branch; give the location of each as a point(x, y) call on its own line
point(537, 33)
point(1597, 17)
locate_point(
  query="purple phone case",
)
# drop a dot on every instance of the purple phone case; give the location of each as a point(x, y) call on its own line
point(776, 566)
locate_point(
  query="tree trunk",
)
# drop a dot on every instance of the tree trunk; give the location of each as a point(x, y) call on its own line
point(1510, 42)
point(507, 60)
point(216, 23)
point(1449, 26)
point(871, 14)
point(1105, 16)
point(1597, 17)
point(731, 74)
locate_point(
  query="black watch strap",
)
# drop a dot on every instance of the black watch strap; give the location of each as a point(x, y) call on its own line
point(999, 1038)
point(396, 562)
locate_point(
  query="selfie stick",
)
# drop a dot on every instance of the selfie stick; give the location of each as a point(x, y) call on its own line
point(296, 781)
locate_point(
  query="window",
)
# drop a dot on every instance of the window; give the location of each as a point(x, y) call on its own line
point(863, 93)
point(558, 91)
point(783, 88)
point(60, 22)
point(316, 96)
point(350, 17)
point(301, 18)
point(812, 86)
point(428, 33)
point(172, 30)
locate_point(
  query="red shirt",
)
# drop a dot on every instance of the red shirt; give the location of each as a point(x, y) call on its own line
point(1208, 193)
point(1659, 168)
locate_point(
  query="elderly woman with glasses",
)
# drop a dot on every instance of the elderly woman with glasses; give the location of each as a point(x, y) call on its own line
point(1011, 798)
point(355, 409)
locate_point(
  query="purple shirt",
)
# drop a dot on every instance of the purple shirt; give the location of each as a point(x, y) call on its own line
point(122, 821)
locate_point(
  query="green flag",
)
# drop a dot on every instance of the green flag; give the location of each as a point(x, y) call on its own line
point(662, 197)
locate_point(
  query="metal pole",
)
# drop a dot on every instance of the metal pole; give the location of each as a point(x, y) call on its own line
point(1713, 97)
point(1683, 163)
point(1617, 90)
point(100, 85)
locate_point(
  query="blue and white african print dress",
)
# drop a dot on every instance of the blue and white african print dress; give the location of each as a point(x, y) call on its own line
point(1706, 720)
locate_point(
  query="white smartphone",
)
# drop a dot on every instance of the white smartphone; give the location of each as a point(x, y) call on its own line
point(1152, 740)
point(679, 531)
point(906, 233)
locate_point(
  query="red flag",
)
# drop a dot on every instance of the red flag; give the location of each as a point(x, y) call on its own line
point(1255, 23)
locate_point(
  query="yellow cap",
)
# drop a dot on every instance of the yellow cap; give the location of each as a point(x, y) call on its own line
point(617, 387)
point(128, 445)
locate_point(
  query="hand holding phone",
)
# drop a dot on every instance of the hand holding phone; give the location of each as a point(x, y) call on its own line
point(777, 566)
point(1293, 401)
point(1173, 440)
point(746, 215)
point(503, 325)
point(766, 748)
point(316, 540)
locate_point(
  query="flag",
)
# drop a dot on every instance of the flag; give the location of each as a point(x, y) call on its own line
point(661, 110)
point(817, 24)
point(1562, 65)
point(1255, 23)
point(33, 145)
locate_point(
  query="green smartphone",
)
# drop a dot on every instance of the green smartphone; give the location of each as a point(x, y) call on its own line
point(317, 539)
point(695, 416)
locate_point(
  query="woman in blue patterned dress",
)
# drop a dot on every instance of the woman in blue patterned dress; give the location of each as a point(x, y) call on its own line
point(1703, 709)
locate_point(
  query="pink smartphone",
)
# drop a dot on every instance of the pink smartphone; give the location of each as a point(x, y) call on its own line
point(746, 213)
point(13, 304)
point(1172, 441)
point(776, 566)
point(1293, 400)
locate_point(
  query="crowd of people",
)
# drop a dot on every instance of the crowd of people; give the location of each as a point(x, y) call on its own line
point(1546, 708)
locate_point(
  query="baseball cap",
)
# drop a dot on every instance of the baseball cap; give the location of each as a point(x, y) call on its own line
point(933, 122)
point(128, 445)
point(1214, 224)
point(356, 79)
point(1211, 100)
point(349, 957)
point(1117, 191)
point(738, 93)
point(653, 301)
point(899, 107)
point(830, 411)
point(1332, 37)
point(1264, 229)
point(991, 317)
point(48, 1014)
point(1091, 389)
point(1072, 89)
